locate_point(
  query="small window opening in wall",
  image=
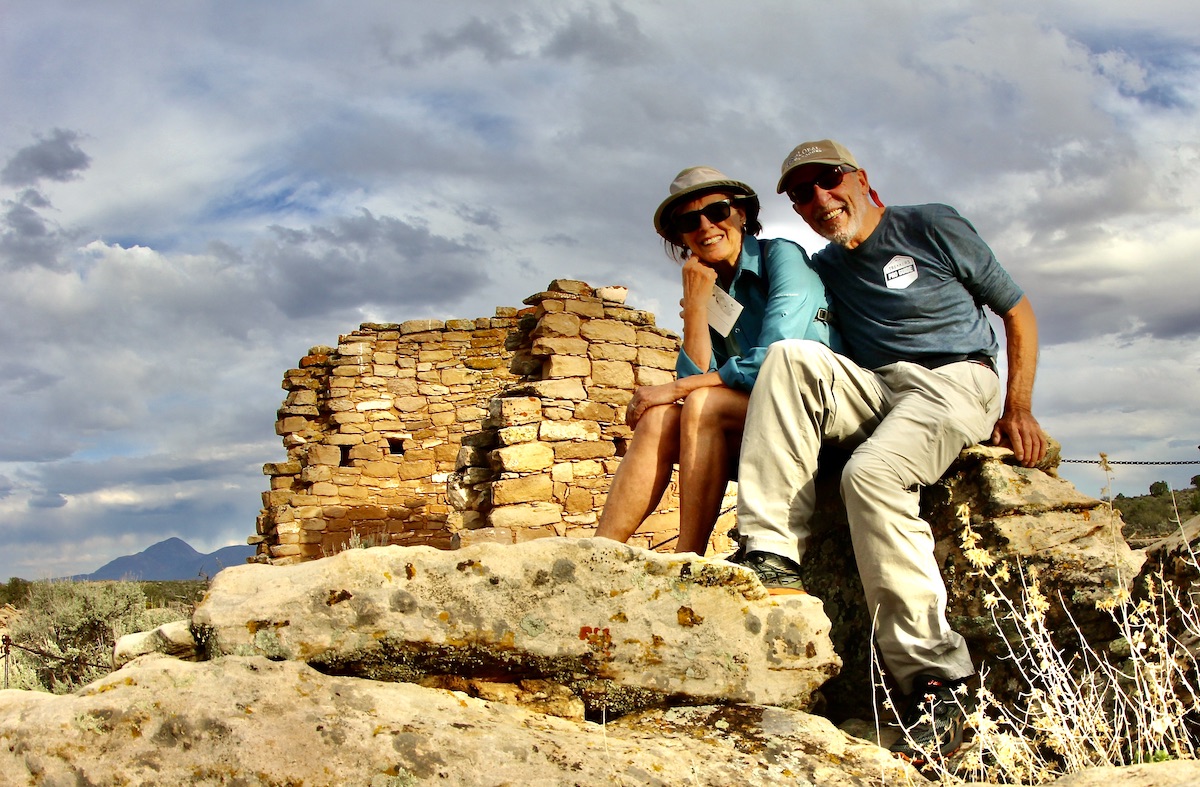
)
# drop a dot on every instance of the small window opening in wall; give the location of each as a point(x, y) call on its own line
point(395, 446)
point(345, 460)
point(621, 445)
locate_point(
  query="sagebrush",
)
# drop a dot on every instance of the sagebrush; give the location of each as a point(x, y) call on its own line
point(66, 631)
point(1083, 705)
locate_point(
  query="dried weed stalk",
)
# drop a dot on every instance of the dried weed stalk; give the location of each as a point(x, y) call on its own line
point(1080, 708)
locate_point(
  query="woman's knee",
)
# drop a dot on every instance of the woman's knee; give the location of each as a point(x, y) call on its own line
point(660, 422)
point(696, 406)
point(713, 409)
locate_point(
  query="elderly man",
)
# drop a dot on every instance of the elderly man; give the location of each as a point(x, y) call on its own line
point(919, 384)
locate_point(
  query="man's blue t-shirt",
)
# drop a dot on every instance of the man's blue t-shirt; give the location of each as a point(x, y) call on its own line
point(915, 289)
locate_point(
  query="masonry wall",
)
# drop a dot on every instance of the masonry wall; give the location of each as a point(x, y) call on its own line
point(447, 433)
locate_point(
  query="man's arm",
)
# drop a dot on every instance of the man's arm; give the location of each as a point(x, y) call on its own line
point(1017, 428)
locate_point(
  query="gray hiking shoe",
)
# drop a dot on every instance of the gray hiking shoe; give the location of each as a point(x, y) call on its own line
point(933, 725)
point(778, 574)
point(738, 556)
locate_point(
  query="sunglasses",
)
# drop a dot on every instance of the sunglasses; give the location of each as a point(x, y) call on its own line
point(715, 212)
point(803, 193)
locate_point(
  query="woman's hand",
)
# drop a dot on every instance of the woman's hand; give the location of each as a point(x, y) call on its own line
point(698, 283)
point(648, 396)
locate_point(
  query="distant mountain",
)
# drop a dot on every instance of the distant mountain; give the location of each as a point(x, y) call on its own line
point(168, 560)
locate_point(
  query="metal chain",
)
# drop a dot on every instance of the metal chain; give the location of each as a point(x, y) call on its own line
point(1115, 462)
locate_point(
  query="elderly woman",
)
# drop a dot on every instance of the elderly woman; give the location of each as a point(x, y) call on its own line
point(740, 294)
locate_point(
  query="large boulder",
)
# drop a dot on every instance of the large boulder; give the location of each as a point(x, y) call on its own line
point(623, 628)
point(508, 644)
point(1027, 519)
point(170, 639)
point(1173, 558)
point(1038, 531)
point(1171, 575)
point(1174, 773)
point(252, 721)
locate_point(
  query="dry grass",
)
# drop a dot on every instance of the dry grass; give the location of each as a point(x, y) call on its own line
point(1080, 708)
point(379, 538)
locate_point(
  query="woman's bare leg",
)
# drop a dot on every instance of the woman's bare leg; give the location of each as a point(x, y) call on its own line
point(643, 474)
point(710, 436)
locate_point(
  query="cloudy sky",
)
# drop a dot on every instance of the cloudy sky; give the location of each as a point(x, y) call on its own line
point(193, 194)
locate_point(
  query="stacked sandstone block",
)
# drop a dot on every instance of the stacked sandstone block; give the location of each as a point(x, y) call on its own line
point(499, 429)
point(372, 430)
point(552, 443)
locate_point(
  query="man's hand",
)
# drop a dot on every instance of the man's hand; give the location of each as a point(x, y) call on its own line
point(1019, 430)
point(648, 396)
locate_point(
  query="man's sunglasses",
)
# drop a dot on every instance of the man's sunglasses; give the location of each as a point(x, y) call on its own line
point(715, 212)
point(803, 193)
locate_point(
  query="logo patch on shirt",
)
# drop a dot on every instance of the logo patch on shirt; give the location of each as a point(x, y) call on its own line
point(900, 272)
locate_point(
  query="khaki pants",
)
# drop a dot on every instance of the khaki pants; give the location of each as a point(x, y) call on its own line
point(905, 424)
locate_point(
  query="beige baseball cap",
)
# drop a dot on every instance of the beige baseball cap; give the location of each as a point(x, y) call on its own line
point(694, 180)
point(823, 151)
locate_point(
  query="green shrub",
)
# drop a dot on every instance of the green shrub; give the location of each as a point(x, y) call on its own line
point(14, 592)
point(72, 628)
point(1149, 517)
point(180, 594)
point(21, 676)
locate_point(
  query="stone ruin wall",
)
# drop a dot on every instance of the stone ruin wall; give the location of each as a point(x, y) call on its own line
point(499, 429)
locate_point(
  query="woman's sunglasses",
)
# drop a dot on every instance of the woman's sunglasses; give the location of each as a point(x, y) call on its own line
point(803, 193)
point(715, 212)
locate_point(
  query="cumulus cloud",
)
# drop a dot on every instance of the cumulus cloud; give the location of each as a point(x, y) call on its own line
point(366, 259)
point(607, 34)
point(610, 36)
point(55, 157)
point(59, 540)
point(27, 236)
point(47, 501)
point(153, 470)
point(199, 206)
